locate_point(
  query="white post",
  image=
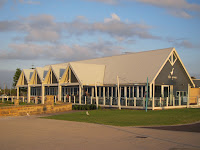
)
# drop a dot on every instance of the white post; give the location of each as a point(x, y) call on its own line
point(91, 100)
point(179, 99)
point(110, 101)
point(126, 102)
point(96, 95)
point(134, 101)
point(188, 101)
point(80, 94)
point(137, 91)
point(17, 92)
point(104, 97)
point(65, 99)
point(12, 98)
point(167, 101)
point(119, 93)
point(153, 95)
point(23, 99)
point(74, 99)
point(173, 101)
point(70, 99)
point(35, 99)
point(28, 94)
point(59, 92)
point(43, 91)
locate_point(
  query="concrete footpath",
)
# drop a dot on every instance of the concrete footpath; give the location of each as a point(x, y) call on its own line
point(33, 133)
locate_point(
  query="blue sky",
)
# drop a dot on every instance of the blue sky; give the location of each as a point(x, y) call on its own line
point(41, 32)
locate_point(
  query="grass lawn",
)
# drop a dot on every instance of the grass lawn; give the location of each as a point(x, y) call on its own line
point(133, 117)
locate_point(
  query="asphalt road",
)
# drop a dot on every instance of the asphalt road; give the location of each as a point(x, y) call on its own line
point(33, 133)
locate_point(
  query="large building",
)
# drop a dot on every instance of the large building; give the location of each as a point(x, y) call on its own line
point(113, 81)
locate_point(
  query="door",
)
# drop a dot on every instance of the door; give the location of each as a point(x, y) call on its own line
point(165, 90)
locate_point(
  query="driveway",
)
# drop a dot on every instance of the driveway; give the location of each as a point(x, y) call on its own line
point(34, 133)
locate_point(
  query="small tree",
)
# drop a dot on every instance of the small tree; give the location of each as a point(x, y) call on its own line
point(16, 76)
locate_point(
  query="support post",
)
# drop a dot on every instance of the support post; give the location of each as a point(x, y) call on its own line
point(134, 101)
point(173, 101)
point(80, 94)
point(188, 100)
point(97, 102)
point(17, 92)
point(59, 92)
point(167, 101)
point(43, 91)
point(23, 99)
point(28, 94)
point(126, 101)
point(119, 93)
point(104, 97)
point(110, 101)
point(91, 100)
point(179, 100)
point(64, 99)
point(153, 105)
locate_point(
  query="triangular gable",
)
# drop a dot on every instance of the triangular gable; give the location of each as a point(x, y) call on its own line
point(50, 77)
point(24, 77)
point(172, 58)
point(69, 76)
point(88, 74)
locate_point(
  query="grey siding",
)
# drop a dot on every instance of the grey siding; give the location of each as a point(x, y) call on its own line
point(197, 83)
point(179, 84)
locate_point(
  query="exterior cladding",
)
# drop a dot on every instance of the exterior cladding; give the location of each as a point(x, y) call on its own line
point(179, 84)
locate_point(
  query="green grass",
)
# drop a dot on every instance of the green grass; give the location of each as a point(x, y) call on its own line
point(133, 117)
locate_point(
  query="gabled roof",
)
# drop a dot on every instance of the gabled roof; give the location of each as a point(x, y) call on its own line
point(27, 74)
point(88, 74)
point(132, 67)
point(58, 70)
point(41, 71)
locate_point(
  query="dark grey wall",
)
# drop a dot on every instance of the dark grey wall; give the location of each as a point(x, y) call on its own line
point(54, 80)
point(179, 84)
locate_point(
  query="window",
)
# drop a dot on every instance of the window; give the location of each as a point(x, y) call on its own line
point(172, 59)
point(181, 93)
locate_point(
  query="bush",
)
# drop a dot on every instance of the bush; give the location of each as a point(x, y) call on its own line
point(84, 107)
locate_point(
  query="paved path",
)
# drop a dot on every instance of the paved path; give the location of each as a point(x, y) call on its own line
point(33, 133)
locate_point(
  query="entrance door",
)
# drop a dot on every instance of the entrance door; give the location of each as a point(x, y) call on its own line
point(165, 90)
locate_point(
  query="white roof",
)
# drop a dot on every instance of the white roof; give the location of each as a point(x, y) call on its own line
point(88, 74)
point(132, 67)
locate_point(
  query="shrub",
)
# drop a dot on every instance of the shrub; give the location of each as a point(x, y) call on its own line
point(84, 107)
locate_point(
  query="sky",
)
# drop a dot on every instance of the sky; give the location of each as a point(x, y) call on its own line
point(35, 33)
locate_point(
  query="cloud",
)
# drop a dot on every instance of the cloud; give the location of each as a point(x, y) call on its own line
point(2, 3)
point(44, 28)
point(184, 43)
point(178, 8)
point(60, 52)
point(29, 2)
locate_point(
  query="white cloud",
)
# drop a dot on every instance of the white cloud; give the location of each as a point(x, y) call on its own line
point(29, 2)
point(60, 52)
point(45, 28)
point(114, 17)
point(178, 8)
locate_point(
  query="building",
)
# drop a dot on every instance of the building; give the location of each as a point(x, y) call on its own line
point(96, 80)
